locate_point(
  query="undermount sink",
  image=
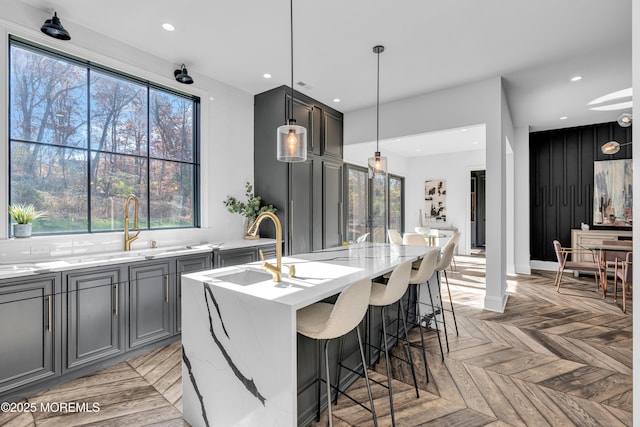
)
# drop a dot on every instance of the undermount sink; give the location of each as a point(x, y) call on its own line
point(242, 277)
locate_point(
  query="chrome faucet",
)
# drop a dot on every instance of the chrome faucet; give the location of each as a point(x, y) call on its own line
point(128, 239)
point(276, 271)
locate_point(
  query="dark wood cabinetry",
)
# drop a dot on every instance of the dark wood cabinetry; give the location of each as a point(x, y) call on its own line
point(29, 327)
point(302, 192)
point(94, 307)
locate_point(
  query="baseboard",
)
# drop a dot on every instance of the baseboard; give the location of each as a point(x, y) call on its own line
point(496, 303)
point(544, 265)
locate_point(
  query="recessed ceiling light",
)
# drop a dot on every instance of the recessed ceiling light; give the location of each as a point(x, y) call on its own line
point(336, 99)
point(564, 118)
point(168, 27)
point(463, 130)
point(475, 142)
point(418, 149)
point(211, 98)
point(266, 75)
point(398, 140)
point(576, 78)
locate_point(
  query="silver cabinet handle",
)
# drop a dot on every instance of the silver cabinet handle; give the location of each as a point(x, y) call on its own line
point(49, 314)
point(117, 300)
point(166, 288)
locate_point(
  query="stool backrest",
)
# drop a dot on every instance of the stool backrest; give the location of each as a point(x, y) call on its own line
point(394, 236)
point(397, 284)
point(426, 269)
point(348, 310)
point(446, 256)
point(414, 239)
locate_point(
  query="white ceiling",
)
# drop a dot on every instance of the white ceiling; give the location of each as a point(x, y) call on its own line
point(536, 45)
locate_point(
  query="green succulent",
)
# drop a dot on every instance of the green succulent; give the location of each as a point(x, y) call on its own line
point(23, 213)
point(251, 208)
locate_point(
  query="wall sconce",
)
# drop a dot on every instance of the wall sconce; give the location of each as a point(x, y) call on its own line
point(182, 76)
point(53, 28)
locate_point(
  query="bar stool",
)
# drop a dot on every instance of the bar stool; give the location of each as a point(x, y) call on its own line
point(455, 239)
point(418, 277)
point(382, 296)
point(323, 321)
point(441, 267)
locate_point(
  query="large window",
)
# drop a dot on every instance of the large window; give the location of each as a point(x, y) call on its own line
point(82, 138)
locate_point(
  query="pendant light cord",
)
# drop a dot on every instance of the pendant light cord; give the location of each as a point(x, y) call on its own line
point(378, 106)
point(291, 20)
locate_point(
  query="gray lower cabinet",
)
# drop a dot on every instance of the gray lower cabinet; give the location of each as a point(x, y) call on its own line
point(188, 265)
point(229, 257)
point(29, 330)
point(151, 298)
point(93, 301)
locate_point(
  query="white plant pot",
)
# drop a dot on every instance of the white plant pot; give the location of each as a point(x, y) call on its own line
point(22, 230)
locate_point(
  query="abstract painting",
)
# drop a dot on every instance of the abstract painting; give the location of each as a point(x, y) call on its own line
point(435, 200)
point(612, 193)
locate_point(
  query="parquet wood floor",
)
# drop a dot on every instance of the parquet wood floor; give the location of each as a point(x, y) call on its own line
point(548, 360)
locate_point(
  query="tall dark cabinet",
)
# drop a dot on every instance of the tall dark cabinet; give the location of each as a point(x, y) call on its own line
point(308, 195)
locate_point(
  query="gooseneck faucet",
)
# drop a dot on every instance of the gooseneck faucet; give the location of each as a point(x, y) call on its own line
point(128, 239)
point(276, 271)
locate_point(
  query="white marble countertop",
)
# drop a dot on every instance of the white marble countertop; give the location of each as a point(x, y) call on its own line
point(318, 274)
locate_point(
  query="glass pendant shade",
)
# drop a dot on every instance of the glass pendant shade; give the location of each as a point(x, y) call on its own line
point(377, 165)
point(611, 147)
point(292, 143)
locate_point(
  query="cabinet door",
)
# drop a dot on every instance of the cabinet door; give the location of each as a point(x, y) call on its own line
point(300, 221)
point(307, 116)
point(151, 296)
point(231, 257)
point(332, 135)
point(93, 303)
point(29, 319)
point(188, 265)
point(332, 204)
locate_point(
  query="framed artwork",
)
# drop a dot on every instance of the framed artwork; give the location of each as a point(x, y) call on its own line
point(435, 200)
point(612, 193)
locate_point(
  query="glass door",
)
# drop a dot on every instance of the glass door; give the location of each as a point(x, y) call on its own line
point(357, 213)
point(378, 213)
point(396, 203)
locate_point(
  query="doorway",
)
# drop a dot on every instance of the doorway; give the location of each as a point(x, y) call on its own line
point(478, 209)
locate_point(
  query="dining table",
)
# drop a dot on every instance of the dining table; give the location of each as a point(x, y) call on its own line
point(604, 249)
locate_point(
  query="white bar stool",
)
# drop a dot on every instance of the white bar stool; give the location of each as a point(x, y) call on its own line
point(324, 321)
point(382, 296)
point(441, 267)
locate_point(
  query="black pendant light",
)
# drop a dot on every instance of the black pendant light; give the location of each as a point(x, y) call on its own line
point(292, 139)
point(52, 27)
point(182, 76)
point(377, 163)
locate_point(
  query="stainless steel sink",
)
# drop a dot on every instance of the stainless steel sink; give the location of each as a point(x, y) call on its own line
point(242, 277)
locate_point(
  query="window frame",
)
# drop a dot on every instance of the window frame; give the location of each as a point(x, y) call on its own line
point(148, 85)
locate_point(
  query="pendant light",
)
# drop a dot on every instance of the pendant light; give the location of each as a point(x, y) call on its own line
point(53, 28)
point(377, 163)
point(612, 147)
point(292, 139)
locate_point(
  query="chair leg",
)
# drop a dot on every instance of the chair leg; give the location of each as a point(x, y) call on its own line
point(366, 378)
point(451, 303)
point(406, 340)
point(341, 345)
point(319, 388)
point(386, 357)
point(435, 321)
point(326, 364)
point(424, 350)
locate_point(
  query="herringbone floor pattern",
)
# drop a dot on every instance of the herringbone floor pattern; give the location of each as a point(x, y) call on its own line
point(548, 360)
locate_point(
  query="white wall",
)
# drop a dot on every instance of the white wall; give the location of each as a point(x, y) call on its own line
point(456, 169)
point(359, 154)
point(522, 255)
point(226, 133)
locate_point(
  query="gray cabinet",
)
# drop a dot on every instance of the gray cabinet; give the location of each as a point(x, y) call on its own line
point(332, 212)
point(297, 189)
point(230, 257)
point(151, 298)
point(188, 264)
point(29, 327)
point(93, 302)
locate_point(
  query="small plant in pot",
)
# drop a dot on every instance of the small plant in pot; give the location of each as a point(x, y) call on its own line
point(23, 215)
point(249, 209)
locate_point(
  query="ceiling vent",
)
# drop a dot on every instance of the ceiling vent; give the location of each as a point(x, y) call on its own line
point(304, 85)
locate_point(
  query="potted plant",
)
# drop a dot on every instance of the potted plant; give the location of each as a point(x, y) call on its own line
point(23, 215)
point(249, 209)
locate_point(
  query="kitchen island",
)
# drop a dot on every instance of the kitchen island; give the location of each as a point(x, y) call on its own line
point(239, 331)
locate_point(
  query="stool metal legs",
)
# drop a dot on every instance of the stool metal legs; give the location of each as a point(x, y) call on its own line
point(453, 312)
point(435, 319)
point(328, 378)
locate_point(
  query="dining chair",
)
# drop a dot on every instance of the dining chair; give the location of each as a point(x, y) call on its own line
point(623, 272)
point(415, 239)
point(394, 236)
point(562, 255)
point(455, 238)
